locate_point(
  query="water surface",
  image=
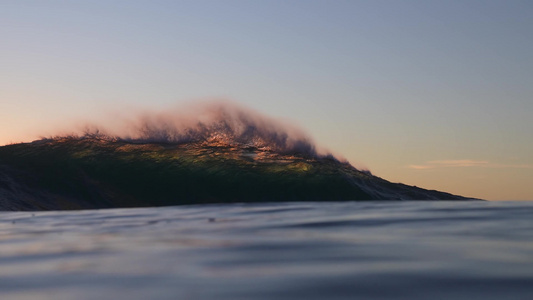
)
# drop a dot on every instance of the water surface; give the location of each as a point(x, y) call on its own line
point(348, 250)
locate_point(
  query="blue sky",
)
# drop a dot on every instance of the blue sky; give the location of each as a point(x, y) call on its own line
point(436, 94)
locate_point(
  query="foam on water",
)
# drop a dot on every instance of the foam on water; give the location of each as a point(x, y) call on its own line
point(350, 250)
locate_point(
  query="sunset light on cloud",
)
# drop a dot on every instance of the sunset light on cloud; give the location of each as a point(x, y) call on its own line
point(450, 163)
point(466, 163)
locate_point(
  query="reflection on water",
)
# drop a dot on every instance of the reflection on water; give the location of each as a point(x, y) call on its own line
point(357, 250)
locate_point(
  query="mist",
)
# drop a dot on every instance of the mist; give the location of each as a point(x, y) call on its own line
point(212, 122)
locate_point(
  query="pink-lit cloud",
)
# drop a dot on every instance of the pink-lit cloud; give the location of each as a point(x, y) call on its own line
point(460, 163)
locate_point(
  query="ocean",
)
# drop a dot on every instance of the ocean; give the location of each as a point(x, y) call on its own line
point(311, 250)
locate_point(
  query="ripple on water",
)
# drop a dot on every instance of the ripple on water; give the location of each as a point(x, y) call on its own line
point(349, 250)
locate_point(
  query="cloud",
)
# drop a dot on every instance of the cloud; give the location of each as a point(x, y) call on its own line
point(460, 163)
point(420, 167)
point(515, 166)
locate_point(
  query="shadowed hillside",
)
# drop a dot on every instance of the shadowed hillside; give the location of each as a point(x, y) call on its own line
point(95, 172)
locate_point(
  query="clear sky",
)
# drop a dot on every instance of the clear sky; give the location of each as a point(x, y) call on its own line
point(437, 94)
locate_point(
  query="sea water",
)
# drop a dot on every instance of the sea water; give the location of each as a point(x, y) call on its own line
point(348, 250)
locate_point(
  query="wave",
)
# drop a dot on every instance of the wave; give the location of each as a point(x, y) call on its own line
point(214, 152)
point(83, 173)
point(214, 122)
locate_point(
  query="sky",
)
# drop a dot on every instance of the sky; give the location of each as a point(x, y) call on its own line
point(437, 94)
